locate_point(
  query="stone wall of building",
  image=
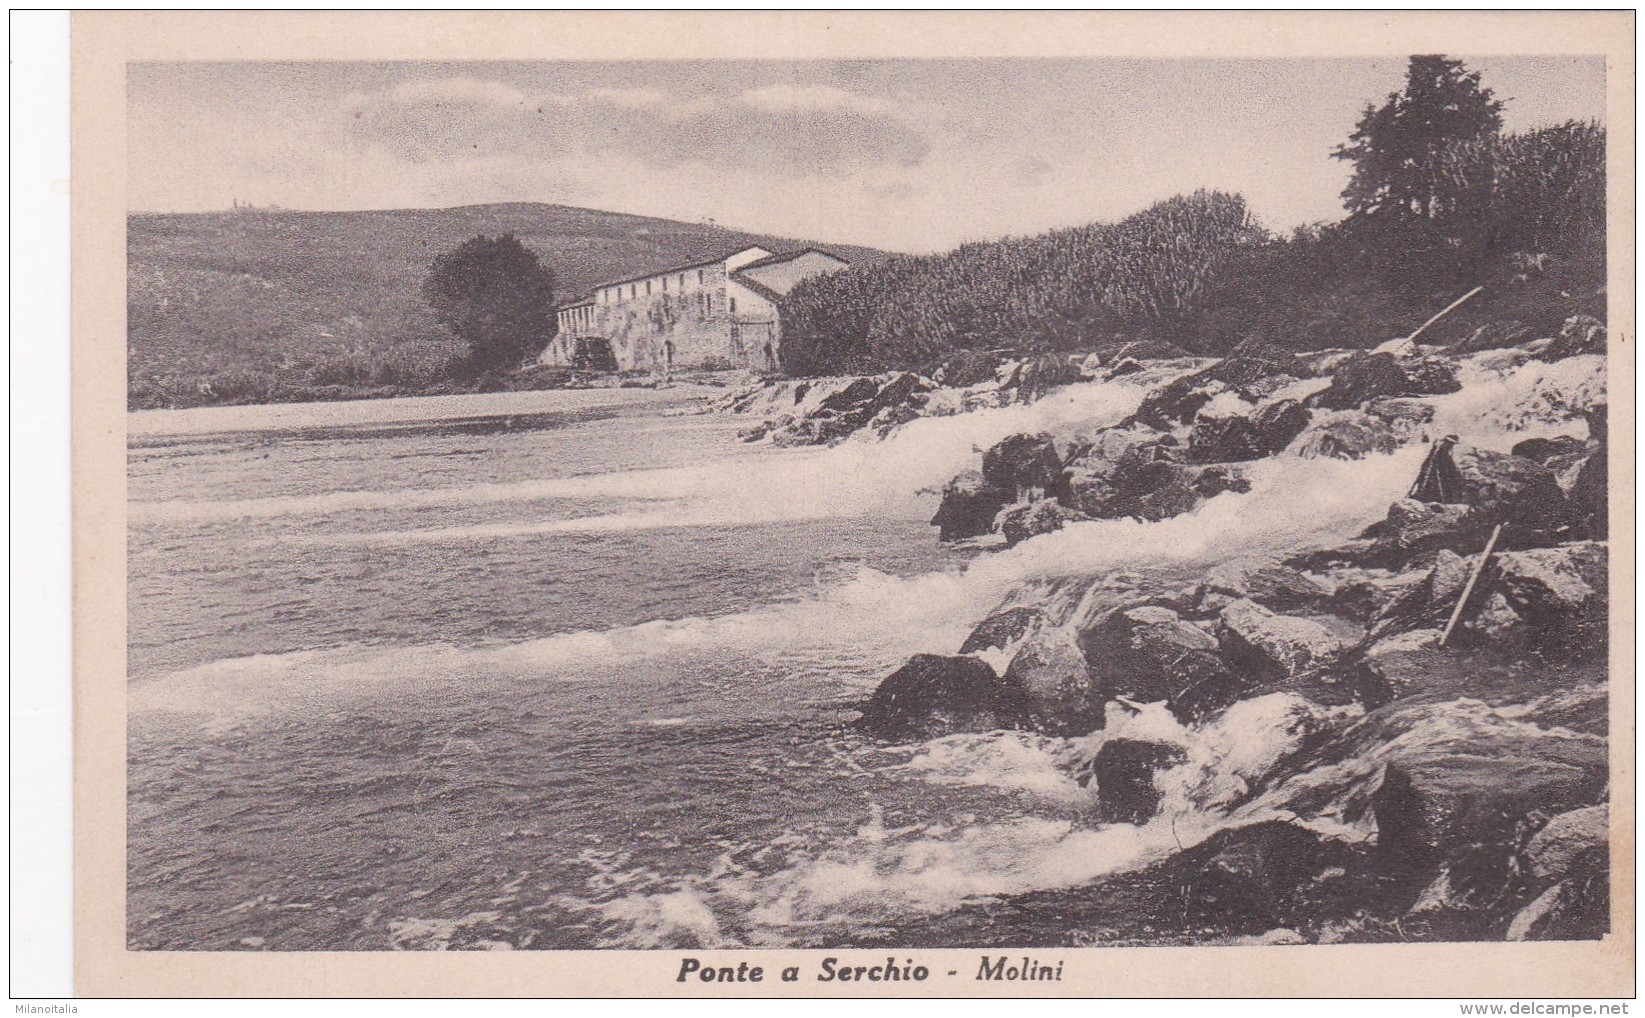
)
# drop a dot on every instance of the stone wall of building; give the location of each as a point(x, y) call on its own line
point(694, 322)
point(701, 317)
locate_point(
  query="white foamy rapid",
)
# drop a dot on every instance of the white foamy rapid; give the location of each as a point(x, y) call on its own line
point(872, 618)
point(879, 872)
point(751, 485)
point(876, 619)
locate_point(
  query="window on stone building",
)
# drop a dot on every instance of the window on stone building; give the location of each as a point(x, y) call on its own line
point(733, 305)
point(633, 290)
point(699, 277)
point(682, 280)
point(665, 284)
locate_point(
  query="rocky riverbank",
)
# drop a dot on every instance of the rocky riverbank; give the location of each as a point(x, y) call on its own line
point(1389, 737)
point(823, 411)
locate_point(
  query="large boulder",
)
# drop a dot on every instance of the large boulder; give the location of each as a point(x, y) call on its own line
point(1149, 490)
point(965, 368)
point(850, 395)
point(1496, 334)
point(820, 428)
point(1253, 362)
point(893, 417)
point(1273, 585)
point(1263, 432)
point(1019, 522)
point(1364, 593)
point(1440, 787)
point(1037, 376)
point(1280, 422)
point(1153, 491)
point(1413, 663)
point(1427, 602)
point(1224, 440)
point(1023, 461)
point(902, 390)
point(1430, 376)
point(1178, 402)
point(1513, 490)
point(1088, 485)
point(1578, 908)
point(1562, 593)
point(1581, 334)
point(1590, 492)
point(1002, 629)
point(1554, 850)
point(1277, 644)
point(1590, 496)
point(1440, 800)
point(1123, 771)
point(933, 696)
point(1149, 654)
point(969, 506)
point(1412, 525)
point(1544, 450)
point(1362, 378)
point(1348, 435)
point(1409, 418)
point(1108, 447)
point(1144, 350)
point(1217, 478)
point(1403, 665)
point(1262, 876)
point(1050, 669)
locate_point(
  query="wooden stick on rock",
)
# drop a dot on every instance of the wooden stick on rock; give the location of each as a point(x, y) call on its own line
point(1468, 589)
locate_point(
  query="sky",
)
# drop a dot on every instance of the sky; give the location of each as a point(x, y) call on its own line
point(905, 155)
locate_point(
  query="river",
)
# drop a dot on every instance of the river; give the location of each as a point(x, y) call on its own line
point(577, 670)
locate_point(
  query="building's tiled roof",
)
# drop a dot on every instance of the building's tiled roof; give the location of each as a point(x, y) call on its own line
point(682, 268)
point(778, 259)
point(757, 286)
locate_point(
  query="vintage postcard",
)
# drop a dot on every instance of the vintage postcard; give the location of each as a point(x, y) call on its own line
point(854, 504)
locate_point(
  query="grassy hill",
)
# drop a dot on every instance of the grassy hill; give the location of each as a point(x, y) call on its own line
point(272, 305)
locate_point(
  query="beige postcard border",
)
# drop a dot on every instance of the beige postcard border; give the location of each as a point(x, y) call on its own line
point(102, 45)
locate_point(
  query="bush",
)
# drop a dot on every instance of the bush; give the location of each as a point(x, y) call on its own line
point(1057, 291)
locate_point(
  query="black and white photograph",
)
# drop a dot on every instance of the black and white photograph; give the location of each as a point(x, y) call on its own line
point(869, 505)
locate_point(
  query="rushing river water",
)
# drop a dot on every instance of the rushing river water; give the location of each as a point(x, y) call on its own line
point(576, 669)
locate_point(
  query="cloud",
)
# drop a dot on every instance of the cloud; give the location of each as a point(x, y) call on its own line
point(1030, 170)
point(782, 130)
point(788, 98)
point(634, 97)
point(459, 90)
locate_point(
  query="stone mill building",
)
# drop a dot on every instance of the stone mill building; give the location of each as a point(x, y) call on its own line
point(720, 313)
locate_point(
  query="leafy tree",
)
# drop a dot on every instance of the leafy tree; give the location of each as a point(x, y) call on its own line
point(1442, 103)
point(495, 295)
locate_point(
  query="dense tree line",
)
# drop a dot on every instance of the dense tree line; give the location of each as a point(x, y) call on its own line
point(1053, 291)
point(1441, 200)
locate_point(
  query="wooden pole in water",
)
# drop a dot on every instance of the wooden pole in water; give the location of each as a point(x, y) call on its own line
point(1468, 588)
point(1448, 309)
